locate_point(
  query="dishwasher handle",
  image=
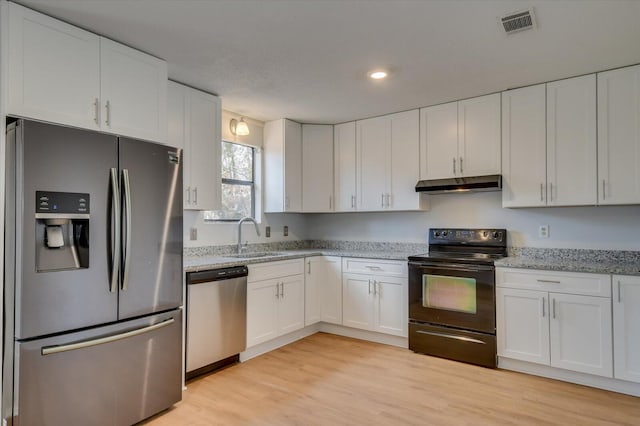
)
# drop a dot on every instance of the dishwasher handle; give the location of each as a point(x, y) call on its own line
point(217, 275)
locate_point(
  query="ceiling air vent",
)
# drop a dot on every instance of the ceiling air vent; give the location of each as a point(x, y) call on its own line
point(518, 21)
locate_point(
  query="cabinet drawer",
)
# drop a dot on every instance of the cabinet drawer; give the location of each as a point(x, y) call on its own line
point(269, 270)
point(559, 282)
point(394, 268)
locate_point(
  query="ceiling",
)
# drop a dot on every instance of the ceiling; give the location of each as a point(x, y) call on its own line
point(307, 59)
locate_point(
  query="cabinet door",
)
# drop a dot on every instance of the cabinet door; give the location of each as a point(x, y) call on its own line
point(203, 150)
point(522, 325)
point(262, 311)
point(331, 290)
point(391, 306)
point(317, 168)
point(177, 133)
point(53, 70)
point(524, 155)
point(571, 142)
point(405, 161)
point(292, 166)
point(133, 88)
point(373, 151)
point(313, 280)
point(439, 141)
point(479, 135)
point(357, 301)
point(626, 327)
point(580, 333)
point(291, 306)
point(344, 148)
point(619, 136)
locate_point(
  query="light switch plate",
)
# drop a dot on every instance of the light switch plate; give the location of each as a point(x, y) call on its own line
point(286, 231)
point(193, 234)
point(267, 231)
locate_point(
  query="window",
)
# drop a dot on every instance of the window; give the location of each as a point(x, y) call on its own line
point(238, 186)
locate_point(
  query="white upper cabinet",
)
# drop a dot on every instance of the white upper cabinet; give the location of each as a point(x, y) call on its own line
point(62, 74)
point(524, 143)
point(54, 70)
point(283, 166)
point(461, 138)
point(133, 88)
point(387, 166)
point(479, 135)
point(344, 178)
point(571, 142)
point(619, 136)
point(194, 125)
point(317, 168)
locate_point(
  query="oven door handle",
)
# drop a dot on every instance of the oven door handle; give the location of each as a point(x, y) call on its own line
point(452, 336)
point(451, 266)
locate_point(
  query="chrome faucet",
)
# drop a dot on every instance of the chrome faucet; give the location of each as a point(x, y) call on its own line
point(240, 222)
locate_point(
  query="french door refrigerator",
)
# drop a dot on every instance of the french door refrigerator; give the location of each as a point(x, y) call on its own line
point(93, 277)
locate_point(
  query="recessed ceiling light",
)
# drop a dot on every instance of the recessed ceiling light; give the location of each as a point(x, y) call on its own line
point(377, 74)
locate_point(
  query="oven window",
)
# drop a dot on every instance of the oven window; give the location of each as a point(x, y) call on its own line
point(449, 293)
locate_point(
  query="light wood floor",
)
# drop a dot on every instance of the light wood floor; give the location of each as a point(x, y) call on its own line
point(332, 380)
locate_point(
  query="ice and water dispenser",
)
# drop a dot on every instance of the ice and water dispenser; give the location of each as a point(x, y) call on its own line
point(62, 231)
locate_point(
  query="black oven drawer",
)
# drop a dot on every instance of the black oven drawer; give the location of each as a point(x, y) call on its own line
point(458, 345)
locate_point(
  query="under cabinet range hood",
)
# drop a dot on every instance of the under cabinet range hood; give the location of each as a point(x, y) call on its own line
point(461, 184)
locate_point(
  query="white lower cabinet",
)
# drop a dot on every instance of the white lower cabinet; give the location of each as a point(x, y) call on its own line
point(323, 290)
point(372, 301)
point(550, 318)
point(275, 305)
point(626, 327)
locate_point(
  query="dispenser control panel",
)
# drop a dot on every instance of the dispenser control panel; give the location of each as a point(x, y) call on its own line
point(62, 202)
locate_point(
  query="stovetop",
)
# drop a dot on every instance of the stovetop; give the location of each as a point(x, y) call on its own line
point(458, 245)
point(484, 258)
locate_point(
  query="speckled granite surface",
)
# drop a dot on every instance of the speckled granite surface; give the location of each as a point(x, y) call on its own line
point(202, 258)
point(574, 260)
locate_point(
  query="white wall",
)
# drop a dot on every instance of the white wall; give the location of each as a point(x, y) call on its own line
point(611, 227)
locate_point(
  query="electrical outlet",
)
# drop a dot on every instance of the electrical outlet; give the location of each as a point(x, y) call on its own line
point(286, 231)
point(267, 231)
point(193, 234)
point(543, 231)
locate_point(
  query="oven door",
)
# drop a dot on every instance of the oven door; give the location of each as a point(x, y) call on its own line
point(453, 295)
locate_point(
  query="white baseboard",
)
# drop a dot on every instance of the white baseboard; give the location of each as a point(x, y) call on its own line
point(278, 342)
point(606, 383)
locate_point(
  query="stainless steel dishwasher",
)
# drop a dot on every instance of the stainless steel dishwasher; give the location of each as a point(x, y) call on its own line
point(216, 318)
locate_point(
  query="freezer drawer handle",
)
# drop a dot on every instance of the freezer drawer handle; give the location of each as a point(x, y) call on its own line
point(127, 229)
point(115, 236)
point(86, 344)
point(452, 336)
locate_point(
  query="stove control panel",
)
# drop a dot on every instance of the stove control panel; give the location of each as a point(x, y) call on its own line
point(463, 236)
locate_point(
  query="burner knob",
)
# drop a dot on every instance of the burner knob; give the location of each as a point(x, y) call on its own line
point(485, 233)
point(445, 233)
point(436, 233)
point(496, 234)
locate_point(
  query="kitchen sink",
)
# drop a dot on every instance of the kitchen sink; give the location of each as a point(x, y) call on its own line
point(252, 255)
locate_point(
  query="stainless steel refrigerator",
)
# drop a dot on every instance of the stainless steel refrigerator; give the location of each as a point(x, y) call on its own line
point(93, 277)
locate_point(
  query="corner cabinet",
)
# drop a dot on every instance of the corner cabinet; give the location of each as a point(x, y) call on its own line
point(317, 168)
point(63, 74)
point(194, 125)
point(283, 166)
point(344, 167)
point(560, 319)
point(323, 290)
point(626, 327)
point(460, 138)
point(388, 165)
point(619, 136)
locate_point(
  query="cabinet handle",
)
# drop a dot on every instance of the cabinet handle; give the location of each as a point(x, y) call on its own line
point(543, 303)
point(277, 290)
point(541, 192)
point(382, 200)
point(96, 111)
point(353, 201)
point(286, 202)
point(554, 308)
point(454, 165)
point(548, 281)
point(550, 191)
point(308, 267)
point(330, 203)
point(369, 286)
point(195, 195)
point(388, 200)
point(604, 194)
point(107, 108)
point(188, 195)
point(619, 294)
point(461, 171)
point(282, 291)
point(374, 287)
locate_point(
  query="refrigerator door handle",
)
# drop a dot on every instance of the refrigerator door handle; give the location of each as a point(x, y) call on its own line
point(88, 343)
point(115, 234)
point(127, 229)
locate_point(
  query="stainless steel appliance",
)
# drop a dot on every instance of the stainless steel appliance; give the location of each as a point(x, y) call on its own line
point(93, 277)
point(216, 318)
point(452, 311)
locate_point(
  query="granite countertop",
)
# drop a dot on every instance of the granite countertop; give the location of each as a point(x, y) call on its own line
point(201, 263)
